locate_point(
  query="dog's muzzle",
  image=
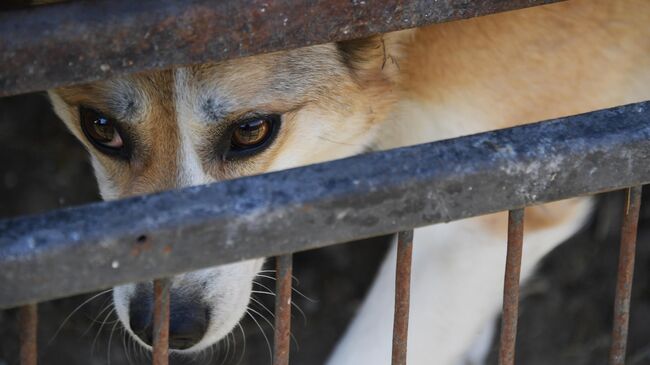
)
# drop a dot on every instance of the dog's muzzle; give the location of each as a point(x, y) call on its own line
point(188, 320)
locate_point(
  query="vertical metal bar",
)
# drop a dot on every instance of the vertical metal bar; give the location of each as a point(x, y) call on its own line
point(402, 296)
point(283, 267)
point(625, 276)
point(28, 322)
point(511, 287)
point(161, 321)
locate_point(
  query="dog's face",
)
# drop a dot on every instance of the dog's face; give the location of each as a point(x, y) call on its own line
point(195, 125)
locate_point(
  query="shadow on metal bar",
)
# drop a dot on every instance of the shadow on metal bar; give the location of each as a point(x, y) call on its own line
point(511, 287)
point(625, 275)
point(85, 41)
point(319, 205)
point(402, 296)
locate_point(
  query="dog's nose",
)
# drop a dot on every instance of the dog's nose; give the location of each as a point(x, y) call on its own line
point(187, 324)
point(188, 321)
point(141, 317)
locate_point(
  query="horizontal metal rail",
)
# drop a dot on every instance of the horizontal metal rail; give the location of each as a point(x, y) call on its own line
point(76, 250)
point(84, 41)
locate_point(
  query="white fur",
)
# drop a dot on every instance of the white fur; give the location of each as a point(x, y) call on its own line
point(228, 291)
point(190, 168)
point(456, 288)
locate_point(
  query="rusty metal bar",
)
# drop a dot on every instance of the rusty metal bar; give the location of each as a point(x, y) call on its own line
point(367, 195)
point(28, 322)
point(161, 321)
point(511, 287)
point(402, 296)
point(282, 336)
point(625, 276)
point(84, 41)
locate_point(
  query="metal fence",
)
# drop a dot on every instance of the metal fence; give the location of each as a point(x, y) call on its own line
point(362, 196)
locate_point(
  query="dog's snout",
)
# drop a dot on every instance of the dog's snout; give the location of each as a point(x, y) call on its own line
point(188, 320)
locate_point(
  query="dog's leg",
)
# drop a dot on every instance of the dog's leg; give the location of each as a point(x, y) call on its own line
point(456, 285)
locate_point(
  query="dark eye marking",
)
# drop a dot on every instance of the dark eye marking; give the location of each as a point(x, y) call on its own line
point(214, 110)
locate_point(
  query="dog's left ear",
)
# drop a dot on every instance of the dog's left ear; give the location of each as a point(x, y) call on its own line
point(376, 58)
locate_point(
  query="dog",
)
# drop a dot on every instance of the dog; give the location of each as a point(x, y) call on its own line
point(199, 124)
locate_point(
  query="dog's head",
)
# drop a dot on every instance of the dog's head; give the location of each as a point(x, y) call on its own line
point(194, 125)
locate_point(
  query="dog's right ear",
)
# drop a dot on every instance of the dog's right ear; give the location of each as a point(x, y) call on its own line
point(374, 66)
point(375, 58)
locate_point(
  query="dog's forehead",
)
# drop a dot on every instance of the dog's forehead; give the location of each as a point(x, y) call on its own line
point(209, 93)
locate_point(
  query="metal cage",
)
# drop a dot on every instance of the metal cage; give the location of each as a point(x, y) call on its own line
point(366, 195)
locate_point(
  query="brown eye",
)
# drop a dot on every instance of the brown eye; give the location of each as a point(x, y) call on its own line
point(253, 134)
point(101, 131)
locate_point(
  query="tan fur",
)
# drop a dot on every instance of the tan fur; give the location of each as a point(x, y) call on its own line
point(525, 66)
point(319, 89)
point(537, 218)
point(151, 169)
point(575, 56)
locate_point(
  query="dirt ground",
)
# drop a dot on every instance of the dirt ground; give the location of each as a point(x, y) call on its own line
point(565, 315)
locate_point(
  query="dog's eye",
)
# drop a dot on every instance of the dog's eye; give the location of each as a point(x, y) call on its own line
point(101, 131)
point(253, 134)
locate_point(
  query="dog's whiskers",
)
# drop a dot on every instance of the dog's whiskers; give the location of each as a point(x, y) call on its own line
point(295, 305)
point(92, 347)
point(218, 346)
point(268, 344)
point(293, 277)
point(207, 355)
point(271, 324)
point(133, 346)
point(124, 345)
point(263, 317)
point(263, 286)
point(234, 347)
point(243, 336)
point(211, 354)
point(292, 288)
point(95, 320)
point(225, 356)
point(75, 311)
point(110, 339)
point(263, 306)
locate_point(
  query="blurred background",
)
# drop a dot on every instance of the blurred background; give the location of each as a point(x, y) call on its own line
point(565, 315)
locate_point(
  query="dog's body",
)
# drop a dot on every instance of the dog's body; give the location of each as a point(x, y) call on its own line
point(192, 125)
point(487, 73)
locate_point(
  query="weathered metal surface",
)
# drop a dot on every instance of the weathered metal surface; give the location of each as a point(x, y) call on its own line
point(28, 323)
point(282, 334)
point(625, 276)
point(402, 296)
point(338, 201)
point(86, 41)
point(161, 321)
point(511, 287)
